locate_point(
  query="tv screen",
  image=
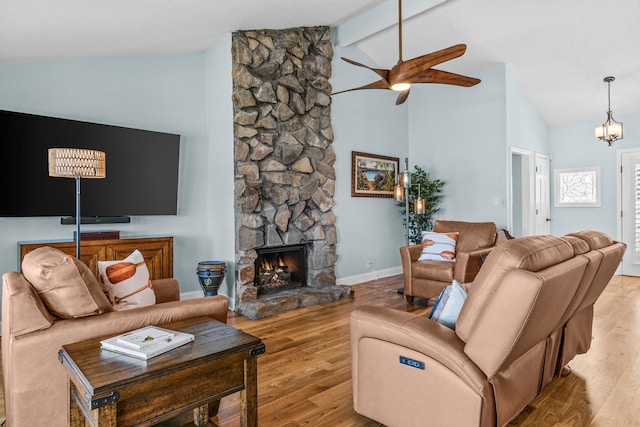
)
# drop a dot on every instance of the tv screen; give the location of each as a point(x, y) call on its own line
point(141, 169)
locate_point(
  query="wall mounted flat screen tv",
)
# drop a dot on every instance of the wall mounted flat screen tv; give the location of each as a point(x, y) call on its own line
point(141, 168)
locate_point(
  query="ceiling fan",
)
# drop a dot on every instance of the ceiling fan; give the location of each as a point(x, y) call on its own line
point(416, 70)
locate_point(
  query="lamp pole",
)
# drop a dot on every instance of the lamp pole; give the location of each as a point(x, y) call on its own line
point(406, 213)
point(405, 177)
point(77, 177)
point(402, 193)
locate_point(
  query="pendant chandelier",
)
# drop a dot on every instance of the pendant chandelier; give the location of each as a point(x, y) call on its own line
point(610, 130)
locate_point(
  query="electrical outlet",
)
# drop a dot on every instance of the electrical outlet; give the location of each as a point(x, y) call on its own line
point(369, 264)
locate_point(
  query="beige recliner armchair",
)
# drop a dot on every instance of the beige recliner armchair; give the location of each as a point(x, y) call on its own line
point(528, 312)
point(426, 279)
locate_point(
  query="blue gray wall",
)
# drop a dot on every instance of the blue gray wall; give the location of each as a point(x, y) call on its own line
point(459, 135)
point(575, 146)
point(369, 229)
point(164, 93)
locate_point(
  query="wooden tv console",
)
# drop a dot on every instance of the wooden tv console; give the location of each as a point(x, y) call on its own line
point(157, 252)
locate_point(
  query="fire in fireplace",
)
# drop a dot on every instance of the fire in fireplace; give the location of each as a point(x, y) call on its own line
point(280, 268)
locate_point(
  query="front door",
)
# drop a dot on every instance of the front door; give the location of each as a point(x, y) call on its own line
point(629, 193)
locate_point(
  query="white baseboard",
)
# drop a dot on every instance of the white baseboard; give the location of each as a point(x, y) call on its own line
point(367, 277)
point(350, 280)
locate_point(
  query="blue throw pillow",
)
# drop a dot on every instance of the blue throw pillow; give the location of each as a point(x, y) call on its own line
point(449, 304)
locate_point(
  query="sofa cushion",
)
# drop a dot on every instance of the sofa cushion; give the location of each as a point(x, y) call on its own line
point(473, 235)
point(579, 246)
point(438, 246)
point(126, 282)
point(595, 239)
point(29, 312)
point(66, 285)
point(433, 270)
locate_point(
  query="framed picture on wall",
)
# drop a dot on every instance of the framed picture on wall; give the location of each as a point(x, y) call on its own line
point(373, 175)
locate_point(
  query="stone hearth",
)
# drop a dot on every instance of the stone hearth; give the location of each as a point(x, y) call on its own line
point(285, 179)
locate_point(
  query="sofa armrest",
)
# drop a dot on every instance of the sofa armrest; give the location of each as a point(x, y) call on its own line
point(468, 264)
point(416, 333)
point(166, 290)
point(407, 369)
point(408, 255)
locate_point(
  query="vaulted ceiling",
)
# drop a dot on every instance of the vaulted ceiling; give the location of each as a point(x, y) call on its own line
point(558, 50)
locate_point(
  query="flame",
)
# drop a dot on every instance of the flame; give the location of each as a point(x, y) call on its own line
point(268, 266)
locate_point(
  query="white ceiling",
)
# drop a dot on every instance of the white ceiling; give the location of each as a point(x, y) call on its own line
point(558, 50)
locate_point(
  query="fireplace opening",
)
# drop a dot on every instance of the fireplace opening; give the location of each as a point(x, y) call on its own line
point(280, 268)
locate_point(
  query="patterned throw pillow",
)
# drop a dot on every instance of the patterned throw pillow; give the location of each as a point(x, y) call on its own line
point(438, 246)
point(127, 282)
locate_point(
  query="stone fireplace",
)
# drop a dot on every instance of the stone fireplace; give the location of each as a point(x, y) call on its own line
point(285, 179)
point(280, 268)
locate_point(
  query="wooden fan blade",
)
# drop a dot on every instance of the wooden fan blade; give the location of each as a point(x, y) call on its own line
point(403, 96)
point(444, 77)
point(407, 70)
point(379, 84)
point(379, 71)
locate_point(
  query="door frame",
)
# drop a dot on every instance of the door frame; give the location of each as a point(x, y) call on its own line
point(620, 234)
point(528, 200)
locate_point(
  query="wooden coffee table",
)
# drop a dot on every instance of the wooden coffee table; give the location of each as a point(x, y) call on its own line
point(110, 389)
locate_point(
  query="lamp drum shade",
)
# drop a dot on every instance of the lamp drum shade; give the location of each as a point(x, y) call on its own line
point(76, 162)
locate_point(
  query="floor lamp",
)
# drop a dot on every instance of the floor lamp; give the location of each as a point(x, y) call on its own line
point(401, 193)
point(77, 163)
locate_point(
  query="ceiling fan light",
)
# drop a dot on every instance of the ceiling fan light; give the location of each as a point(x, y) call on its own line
point(400, 87)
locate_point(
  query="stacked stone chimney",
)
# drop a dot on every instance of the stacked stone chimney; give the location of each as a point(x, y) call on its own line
point(285, 179)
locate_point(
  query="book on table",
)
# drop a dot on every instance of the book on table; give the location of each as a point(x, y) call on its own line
point(147, 342)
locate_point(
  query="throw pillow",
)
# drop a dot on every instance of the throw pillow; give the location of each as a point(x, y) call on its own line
point(449, 304)
point(66, 285)
point(126, 282)
point(23, 299)
point(438, 246)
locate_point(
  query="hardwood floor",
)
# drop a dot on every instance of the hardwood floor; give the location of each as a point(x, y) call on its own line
point(304, 379)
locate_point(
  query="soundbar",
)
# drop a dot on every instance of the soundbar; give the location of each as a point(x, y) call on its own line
point(71, 220)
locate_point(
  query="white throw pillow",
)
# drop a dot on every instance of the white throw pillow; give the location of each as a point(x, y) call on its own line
point(126, 282)
point(438, 246)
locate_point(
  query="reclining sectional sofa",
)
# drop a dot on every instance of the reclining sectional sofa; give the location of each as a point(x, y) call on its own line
point(36, 391)
point(528, 312)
